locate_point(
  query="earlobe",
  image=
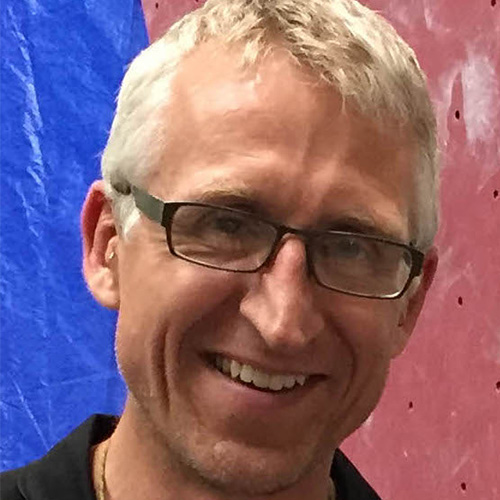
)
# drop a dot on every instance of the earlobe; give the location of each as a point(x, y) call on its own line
point(414, 303)
point(100, 247)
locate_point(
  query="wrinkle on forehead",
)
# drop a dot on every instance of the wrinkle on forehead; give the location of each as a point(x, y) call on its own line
point(274, 129)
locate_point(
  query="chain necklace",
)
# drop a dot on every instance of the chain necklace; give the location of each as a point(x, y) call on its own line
point(101, 454)
point(332, 495)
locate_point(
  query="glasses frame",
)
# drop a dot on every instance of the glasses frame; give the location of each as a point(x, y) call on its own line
point(163, 212)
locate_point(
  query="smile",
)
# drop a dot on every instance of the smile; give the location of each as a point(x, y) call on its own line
point(252, 376)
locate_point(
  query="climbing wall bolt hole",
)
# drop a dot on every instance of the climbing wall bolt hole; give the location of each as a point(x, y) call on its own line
point(498, 386)
point(410, 405)
point(495, 194)
point(460, 301)
point(457, 114)
point(493, 3)
point(156, 5)
point(463, 486)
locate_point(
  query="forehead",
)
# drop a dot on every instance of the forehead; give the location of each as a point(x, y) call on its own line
point(278, 135)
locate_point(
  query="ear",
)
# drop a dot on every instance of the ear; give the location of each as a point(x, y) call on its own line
point(413, 304)
point(100, 247)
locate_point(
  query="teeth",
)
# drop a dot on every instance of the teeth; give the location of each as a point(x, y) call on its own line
point(246, 373)
point(226, 365)
point(260, 379)
point(250, 375)
point(235, 369)
point(276, 383)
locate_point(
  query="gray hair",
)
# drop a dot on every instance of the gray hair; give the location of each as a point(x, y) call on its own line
point(346, 44)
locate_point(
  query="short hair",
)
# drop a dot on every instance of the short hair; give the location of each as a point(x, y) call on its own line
point(346, 44)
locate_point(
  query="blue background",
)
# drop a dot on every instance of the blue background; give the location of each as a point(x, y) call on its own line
point(62, 62)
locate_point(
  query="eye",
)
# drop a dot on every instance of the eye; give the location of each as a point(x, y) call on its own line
point(344, 248)
point(227, 224)
point(347, 248)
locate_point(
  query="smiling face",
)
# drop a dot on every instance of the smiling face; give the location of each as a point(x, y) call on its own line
point(274, 141)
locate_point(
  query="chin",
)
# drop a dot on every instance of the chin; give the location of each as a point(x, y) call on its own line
point(236, 468)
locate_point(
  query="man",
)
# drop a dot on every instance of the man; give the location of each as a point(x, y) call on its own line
point(264, 227)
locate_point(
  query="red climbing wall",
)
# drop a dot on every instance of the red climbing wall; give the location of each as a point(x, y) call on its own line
point(436, 433)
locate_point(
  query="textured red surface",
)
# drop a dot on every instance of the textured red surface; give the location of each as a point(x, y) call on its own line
point(436, 432)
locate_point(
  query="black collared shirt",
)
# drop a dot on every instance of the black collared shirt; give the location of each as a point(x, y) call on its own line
point(65, 473)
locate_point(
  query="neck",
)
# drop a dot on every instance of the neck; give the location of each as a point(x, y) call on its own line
point(140, 465)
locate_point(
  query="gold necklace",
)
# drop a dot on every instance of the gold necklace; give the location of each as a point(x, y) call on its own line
point(332, 494)
point(101, 454)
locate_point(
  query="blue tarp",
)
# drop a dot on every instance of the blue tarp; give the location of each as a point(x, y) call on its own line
point(62, 62)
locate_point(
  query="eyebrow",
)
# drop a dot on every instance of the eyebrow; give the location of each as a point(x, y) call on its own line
point(247, 200)
point(241, 198)
point(364, 225)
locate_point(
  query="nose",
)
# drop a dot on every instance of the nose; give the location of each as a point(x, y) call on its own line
point(280, 303)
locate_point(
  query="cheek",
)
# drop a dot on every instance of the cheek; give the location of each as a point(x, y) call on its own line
point(157, 309)
point(371, 325)
point(364, 330)
point(367, 329)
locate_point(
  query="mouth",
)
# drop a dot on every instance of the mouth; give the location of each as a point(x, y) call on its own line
point(255, 378)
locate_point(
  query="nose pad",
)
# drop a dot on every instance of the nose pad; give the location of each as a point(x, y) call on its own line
point(281, 302)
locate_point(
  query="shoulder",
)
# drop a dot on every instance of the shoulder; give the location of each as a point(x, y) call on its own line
point(8, 485)
point(64, 472)
point(349, 483)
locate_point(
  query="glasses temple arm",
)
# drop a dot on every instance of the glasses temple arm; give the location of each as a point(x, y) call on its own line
point(149, 205)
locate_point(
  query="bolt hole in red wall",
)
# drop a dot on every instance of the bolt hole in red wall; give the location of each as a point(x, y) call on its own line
point(460, 301)
point(463, 486)
point(493, 3)
point(495, 194)
point(498, 386)
point(410, 405)
point(457, 114)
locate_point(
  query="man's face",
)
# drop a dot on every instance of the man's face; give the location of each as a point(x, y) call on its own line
point(275, 141)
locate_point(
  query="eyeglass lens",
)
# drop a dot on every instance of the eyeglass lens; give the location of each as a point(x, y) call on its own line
point(361, 265)
point(221, 238)
point(235, 241)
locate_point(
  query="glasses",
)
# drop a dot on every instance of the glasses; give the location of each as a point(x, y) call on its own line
point(234, 240)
